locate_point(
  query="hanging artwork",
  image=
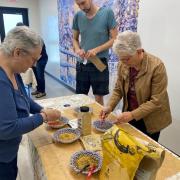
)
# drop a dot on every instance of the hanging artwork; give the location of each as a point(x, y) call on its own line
point(126, 13)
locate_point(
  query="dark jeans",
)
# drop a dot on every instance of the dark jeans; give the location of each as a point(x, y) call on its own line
point(8, 171)
point(141, 126)
point(39, 74)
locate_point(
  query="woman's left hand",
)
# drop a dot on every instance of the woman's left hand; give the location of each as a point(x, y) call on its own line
point(124, 117)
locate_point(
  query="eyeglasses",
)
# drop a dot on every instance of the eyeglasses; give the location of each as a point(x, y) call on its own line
point(125, 58)
point(29, 54)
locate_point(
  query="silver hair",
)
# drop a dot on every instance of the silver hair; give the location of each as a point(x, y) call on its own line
point(20, 37)
point(127, 43)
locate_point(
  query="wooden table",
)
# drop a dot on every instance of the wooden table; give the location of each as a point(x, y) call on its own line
point(51, 161)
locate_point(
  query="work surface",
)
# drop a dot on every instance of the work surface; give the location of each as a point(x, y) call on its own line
point(51, 161)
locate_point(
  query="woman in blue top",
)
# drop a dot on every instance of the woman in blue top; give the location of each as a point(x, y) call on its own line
point(19, 51)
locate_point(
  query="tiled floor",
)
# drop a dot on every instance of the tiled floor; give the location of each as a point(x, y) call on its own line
point(169, 137)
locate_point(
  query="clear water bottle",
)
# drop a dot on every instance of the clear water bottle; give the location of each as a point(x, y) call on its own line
point(84, 120)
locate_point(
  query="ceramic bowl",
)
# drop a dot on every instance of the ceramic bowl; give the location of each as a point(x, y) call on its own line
point(59, 123)
point(86, 153)
point(102, 126)
point(66, 135)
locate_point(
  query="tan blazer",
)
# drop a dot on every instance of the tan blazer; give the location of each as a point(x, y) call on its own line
point(151, 93)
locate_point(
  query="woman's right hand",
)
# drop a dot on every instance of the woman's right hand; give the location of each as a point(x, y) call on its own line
point(50, 114)
point(104, 112)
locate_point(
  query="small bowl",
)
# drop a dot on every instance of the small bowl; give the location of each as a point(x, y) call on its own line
point(66, 135)
point(86, 153)
point(102, 126)
point(59, 123)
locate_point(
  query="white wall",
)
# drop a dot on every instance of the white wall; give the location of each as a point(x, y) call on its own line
point(159, 27)
point(43, 18)
point(49, 30)
point(33, 10)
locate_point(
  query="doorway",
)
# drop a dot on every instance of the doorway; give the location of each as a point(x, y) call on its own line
point(9, 17)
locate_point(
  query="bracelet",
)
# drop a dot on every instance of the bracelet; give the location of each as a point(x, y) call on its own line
point(46, 117)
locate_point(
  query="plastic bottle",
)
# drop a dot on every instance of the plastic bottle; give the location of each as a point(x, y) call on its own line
point(84, 120)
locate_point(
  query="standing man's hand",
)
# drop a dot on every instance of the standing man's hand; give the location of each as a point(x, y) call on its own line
point(91, 53)
point(81, 53)
point(124, 117)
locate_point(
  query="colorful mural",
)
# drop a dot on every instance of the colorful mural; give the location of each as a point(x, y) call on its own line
point(126, 13)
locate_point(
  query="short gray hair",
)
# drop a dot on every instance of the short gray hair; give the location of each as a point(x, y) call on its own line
point(127, 43)
point(20, 37)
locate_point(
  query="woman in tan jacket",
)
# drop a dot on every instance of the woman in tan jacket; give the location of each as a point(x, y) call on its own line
point(142, 84)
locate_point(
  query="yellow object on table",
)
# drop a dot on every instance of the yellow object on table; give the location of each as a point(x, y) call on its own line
point(122, 155)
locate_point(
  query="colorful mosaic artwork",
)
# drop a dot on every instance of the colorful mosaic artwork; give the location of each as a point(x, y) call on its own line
point(126, 13)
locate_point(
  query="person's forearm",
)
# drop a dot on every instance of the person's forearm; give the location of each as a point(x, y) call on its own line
point(76, 45)
point(20, 126)
point(34, 107)
point(99, 49)
point(113, 34)
point(105, 46)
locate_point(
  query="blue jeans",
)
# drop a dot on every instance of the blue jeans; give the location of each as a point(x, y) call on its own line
point(8, 171)
point(39, 74)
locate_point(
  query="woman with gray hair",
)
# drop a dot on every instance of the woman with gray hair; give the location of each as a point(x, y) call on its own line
point(142, 83)
point(19, 51)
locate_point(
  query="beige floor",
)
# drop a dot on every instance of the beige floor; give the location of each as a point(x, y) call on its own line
point(169, 137)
